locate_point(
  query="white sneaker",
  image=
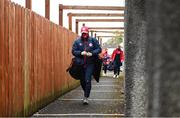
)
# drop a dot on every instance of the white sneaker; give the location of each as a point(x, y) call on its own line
point(117, 76)
point(114, 76)
point(85, 101)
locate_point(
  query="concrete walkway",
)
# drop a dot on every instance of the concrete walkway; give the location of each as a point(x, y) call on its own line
point(106, 100)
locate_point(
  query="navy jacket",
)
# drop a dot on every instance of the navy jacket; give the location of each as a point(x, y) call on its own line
point(91, 45)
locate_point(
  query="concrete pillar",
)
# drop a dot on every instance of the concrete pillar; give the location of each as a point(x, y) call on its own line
point(163, 55)
point(152, 58)
point(135, 50)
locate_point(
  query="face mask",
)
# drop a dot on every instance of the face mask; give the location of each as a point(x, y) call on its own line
point(84, 35)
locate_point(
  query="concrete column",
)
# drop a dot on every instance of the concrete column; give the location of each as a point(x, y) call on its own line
point(135, 50)
point(163, 55)
point(152, 58)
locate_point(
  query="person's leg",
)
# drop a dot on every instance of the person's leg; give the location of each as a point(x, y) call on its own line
point(82, 80)
point(115, 69)
point(88, 77)
point(105, 69)
point(118, 69)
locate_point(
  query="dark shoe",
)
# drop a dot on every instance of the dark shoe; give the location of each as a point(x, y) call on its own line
point(122, 92)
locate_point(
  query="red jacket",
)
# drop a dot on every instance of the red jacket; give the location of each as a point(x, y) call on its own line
point(116, 51)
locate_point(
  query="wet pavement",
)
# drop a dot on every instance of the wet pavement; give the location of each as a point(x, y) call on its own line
point(106, 100)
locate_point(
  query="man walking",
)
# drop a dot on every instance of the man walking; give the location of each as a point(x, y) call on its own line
point(86, 50)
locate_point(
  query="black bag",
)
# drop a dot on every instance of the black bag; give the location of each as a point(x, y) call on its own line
point(75, 70)
point(110, 66)
point(97, 69)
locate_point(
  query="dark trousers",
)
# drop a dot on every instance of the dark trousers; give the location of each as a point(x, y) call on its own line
point(105, 68)
point(117, 67)
point(86, 80)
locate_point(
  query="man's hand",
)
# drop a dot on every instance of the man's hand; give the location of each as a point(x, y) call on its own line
point(89, 54)
point(83, 53)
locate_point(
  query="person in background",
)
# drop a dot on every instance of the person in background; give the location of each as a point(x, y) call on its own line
point(117, 58)
point(105, 59)
point(86, 49)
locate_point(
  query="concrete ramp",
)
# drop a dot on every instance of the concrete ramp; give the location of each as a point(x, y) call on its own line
point(106, 100)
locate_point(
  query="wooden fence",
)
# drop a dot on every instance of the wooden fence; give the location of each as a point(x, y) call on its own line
point(34, 55)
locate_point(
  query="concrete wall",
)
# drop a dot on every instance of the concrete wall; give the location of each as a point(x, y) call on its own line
point(152, 66)
point(163, 35)
point(135, 48)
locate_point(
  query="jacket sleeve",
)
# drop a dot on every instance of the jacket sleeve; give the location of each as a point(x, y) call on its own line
point(75, 51)
point(97, 49)
point(122, 56)
point(113, 55)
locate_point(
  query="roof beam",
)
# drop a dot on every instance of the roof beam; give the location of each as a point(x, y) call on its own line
point(93, 7)
point(95, 20)
point(106, 36)
point(64, 7)
point(100, 20)
point(96, 14)
point(104, 28)
point(102, 31)
point(70, 15)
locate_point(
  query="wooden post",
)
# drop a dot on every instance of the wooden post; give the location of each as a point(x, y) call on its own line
point(61, 14)
point(95, 35)
point(100, 41)
point(47, 9)
point(97, 38)
point(77, 27)
point(91, 33)
point(70, 21)
point(29, 4)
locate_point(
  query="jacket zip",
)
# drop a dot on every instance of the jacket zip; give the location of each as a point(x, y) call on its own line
point(85, 42)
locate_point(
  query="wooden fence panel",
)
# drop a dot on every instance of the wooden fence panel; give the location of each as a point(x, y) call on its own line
point(11, 68)
point(6, 55)
point(64, 59)
point(35, 54)
point(26, 66)
point(32, 44)
point(55, 58)
point(2, 83)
